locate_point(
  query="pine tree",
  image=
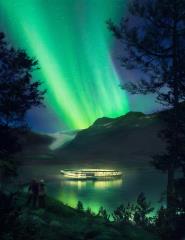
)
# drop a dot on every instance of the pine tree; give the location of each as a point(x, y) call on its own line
point(142, 211)
point(152, 35)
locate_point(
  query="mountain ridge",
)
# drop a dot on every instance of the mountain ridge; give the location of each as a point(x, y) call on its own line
point(129, 139)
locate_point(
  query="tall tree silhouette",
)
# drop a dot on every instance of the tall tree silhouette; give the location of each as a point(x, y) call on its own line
point(153, 39)
point(18, 94)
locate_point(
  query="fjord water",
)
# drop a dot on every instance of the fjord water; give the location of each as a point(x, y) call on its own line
point(94, 194)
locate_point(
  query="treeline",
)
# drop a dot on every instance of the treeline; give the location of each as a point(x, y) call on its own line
point(142, 215)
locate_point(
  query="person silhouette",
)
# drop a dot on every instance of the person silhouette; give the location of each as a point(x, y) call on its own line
point(33, 190)
point(42, 194)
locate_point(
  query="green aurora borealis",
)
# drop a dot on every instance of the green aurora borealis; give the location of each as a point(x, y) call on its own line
point(73, 46)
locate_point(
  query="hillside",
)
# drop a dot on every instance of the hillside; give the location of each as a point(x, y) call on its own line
point(129, 139)
point(35, 148)
point(60, 222)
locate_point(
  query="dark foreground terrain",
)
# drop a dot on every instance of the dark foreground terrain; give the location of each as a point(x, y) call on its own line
point(60, 222)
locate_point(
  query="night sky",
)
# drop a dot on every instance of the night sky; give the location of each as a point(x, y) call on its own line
point(77, 57)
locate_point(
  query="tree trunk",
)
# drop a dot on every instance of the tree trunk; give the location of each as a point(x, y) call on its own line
point(175, 142)
point(170, 188)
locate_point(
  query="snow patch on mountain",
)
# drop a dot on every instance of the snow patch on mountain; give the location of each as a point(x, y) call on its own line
point(61, 138)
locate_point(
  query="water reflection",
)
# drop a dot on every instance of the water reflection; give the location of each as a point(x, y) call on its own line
point(107, 184)
point(96, 184)
point(93, 194)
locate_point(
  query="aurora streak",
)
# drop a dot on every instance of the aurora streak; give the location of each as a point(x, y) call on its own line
point(73, 46)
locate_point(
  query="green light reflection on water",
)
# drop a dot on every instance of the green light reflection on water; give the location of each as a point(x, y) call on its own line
point(74, 191)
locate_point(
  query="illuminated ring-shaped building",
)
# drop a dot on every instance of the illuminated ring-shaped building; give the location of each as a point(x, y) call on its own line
point(91, 174)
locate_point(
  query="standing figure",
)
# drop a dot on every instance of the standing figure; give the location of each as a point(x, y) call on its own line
point(42, 194)
point(33, 191)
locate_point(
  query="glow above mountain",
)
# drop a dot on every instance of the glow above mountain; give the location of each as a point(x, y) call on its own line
point(71, 41)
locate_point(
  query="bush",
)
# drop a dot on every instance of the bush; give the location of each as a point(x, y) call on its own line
point(103, 213)
point(124, 214)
